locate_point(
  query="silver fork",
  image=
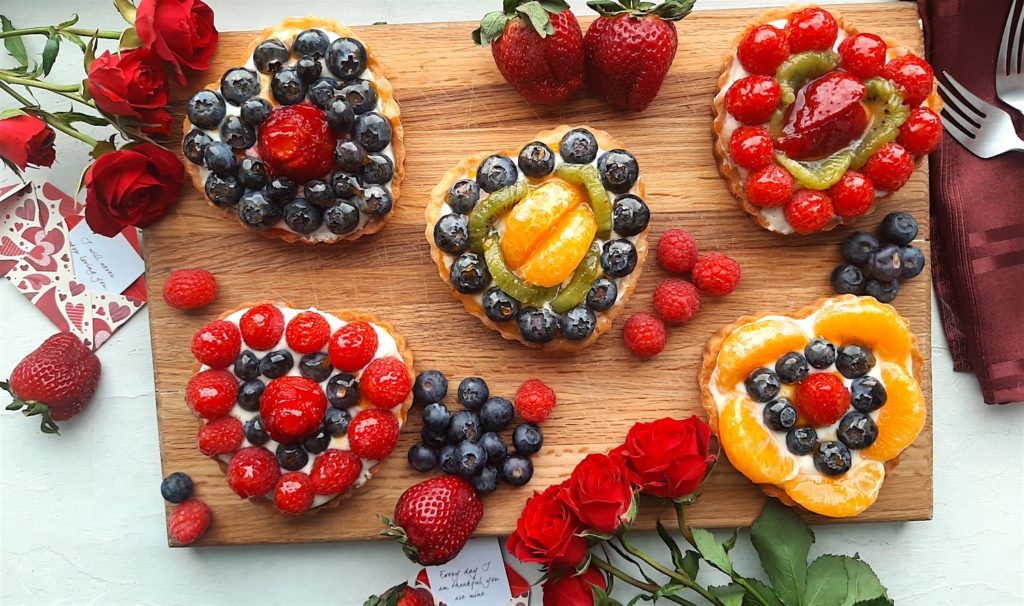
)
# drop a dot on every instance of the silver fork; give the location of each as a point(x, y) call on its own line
point(984, 129)
point(1009, 72)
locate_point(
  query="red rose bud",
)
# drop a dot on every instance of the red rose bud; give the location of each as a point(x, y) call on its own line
point(131, 187)
point(132, 84)
point(548, 532)
point(25, 139)
point(180, 32)
point(667, 458)
point(600, 493)
point(572, 590)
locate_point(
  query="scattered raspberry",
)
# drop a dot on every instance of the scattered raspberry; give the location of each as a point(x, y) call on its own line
point(644, 334)
point(252, 472)
point(853, 195)
point(292, 408)
point(823, 398)
point(913, 76)
point(676, 301)
point(307, 332)
point(769, 187)
point(190, 288)
point(262, 327)
point(809, 211)
point(217, 344)
point(352, 346)
point(334, 472)
point(211, 394)
point(922, 132)
point(763, 50)
point(752, 100)
point(890, 167)
point(863, 55)
point(677, 251)
point(373, 434)
point(221, 436)
point(811, 29)
point(188, 521)
point(386, 382)
point(293, 493)
point(716, 274)
point(535, 401)
point(751, 147)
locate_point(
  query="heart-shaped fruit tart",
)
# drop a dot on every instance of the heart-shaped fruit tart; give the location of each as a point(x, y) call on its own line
point(815, 121)
point(302, 142)
point(299, 405)
point(816, 406)
point(544, 245)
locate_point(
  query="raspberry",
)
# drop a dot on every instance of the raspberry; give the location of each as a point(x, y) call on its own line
point(217, 344)
point(922, 131)
point(190, 288)
point(262, 327)
point(373, 434)
point(188, 521)
point(252, 472)
point(811, 29)
point(677, 251)
point(221, 436)
point(823, 398)
point(716, 274)
point(863, 55)
point(211, 394)
point(751, 147)
point(763, 50)
point(644, 334)
point(809, 211)
point(853, 195)
point(386, 382)
point(676, 301)
point(293, 493)
point(890, 167)
point(292, 408)
point(769, 187)
point(334, 472)
point(535, 401)
point(913, 76)
point(752, 100)
point(307, 332)
point(352, 346)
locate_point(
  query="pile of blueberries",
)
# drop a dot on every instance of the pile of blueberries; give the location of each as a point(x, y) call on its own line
point(468, 442)
point(876, 266)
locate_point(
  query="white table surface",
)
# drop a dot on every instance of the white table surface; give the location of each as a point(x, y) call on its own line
point(81, 518)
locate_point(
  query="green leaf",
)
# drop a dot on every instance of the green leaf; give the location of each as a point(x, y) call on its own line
point(73, 20)
point(691, 563)
point(731, 541)
point(129, 39)
point(90, 55)
point(127, 10)
point(730, 595)
point(606, 8)
point(762, 590)
point(102, 147)
point(76, 39)
point(554, 6)
point(538, 17)
point(782, 541)
point(711, 550)
point(863, 583)
point(879, 601)
point(673, 10)
point(10, 113)
point(509, 6)
point(50, 50)
point(492, 26)
point(84, 90)
point(70, 117)
point(827, 582)
point(673, 547)
point(601, 597)
point(14, 44)
point(667, 590)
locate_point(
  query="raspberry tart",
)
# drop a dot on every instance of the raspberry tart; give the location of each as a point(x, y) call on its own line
point(303, 141)
point(545, 244)
point(816, 121)
point(816, 406)
point(300, 406)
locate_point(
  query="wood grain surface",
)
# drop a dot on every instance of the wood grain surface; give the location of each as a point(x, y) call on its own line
point(454, 104)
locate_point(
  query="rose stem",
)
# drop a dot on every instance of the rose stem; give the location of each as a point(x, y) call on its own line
point(78, 31)
point(648, 587)
point(682, 578)
point(64, 128)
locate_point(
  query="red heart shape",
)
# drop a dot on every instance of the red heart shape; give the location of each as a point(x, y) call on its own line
point(827, 115)
point(119, 312)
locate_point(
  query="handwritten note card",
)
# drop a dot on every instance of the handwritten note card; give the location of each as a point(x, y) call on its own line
point(101, 263)
point(476, 577)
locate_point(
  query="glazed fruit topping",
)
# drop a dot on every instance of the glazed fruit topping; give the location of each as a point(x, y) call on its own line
point(307, 332)
point(832, 458)
point(386, 382)
point(210, 394)
point(890, 167)
point(292, 408)
point(809, 211)
point(823, 398)
point(863, 55)
point(463, 196)
point(811, 29)
point(334, 472)
point(826, 116)
point(857, 430)
point(867, 394)
point(854, 361)
point(922, 132)
point(536, 160)
point(792, 367)
point(342, 391)
point(206, 109)
point(217, 344)
point(753, 99)
point(763, 50)
point(346, 58)
point(297, 142)
point(253, 472)
point(619, 170)
point(801, 440)
point(578, 146)
point(751, 147)
point(352, 346)
point(277, 363)
point(239, 84)
point(373, 434)
point(270, 56)
point(763, 385)
point(780, 415)
point(820, 354)
point(630, 215)
point(262, 326)
point(913, 76)
point(293, 493)
point(770, 187)
point(853, 195)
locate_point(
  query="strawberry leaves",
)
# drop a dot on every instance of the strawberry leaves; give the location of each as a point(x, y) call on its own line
point(31, 408)
point(535, 12)
point(669, 10)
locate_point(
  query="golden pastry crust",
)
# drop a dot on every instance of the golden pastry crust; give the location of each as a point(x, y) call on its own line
point(729, 171)
point(287, 31)
point(509, 330)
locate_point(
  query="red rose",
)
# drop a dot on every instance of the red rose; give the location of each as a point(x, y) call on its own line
point(180, 32)
point(600, 493)
point(572, 590)
point(131, 187)
point(132, 84)
point(25, 139)
point(546, 532)
point(667, 458)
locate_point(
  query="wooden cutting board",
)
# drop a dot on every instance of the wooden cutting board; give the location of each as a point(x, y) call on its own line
point(454, 104)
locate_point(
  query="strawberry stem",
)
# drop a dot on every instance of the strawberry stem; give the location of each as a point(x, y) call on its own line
point(31, 408)
point(397, 533)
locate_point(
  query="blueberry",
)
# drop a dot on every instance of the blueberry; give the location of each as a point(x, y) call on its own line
point(249, 393)
point(618, 169)
point(867, 394)
point(527, 438)
point(463, 196)
point(429, 386)
point(578, 323)
point(602, 294)
point(630, 215)
point(336, 421)
point(496, 172)
point(516, 470)
point(884, 292)
point(911, 262)
point(791, 367)
point(346, 58)
point(801, 440)
point(436, 416)
point(857, 430)
point(434, 439)
point(220, 158)
point(372, 131)
point(858, 247)
point(473, 392)
point(342, 390)
point(763, 385)
point(291, 456)
point(618, 258)
point(247, 365)
point(255, 432)
point(498, 305)
point(322, 93)
point(465, 425)
point(578, 146)
point(254, 111)
point(451, 233)
point(194, 146)
point(820, 354)
point(361, 95)
point(308, 68)
point(342, 218)
point(537, 324)
point(847, 279)
point(486, 481)
point(282, 189)
point(884, 264)
point(270, 56)
point(239, 84)
point(832, 458)
point(346, 185)
point(340, 116)
point(447, 459)
point(276, 363)
point(536, 160)
point(422, 458)
point(779, 415)
point(236, 134)
point(469, 274)
point(854, 361)
point(469, 458)
point(318, 192)
point(315, 366)
point(898, 228)
point(378, 170)
point(176, 487)
point(494, 446)
point(206, 109)
point(252, 173)
point(496, 413)
point(311, 42)
point(376, 202)
point(302, 216)
point(287, 87)
point(223, 191)
point(318, 442)
point(257, 210)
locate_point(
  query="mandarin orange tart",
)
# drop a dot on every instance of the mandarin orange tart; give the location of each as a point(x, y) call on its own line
point(816, 406)
point(302, 141)
point(544, 245)
point(815, 121)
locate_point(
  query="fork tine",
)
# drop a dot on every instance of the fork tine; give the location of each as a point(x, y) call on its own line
point(1002, 64)
point(956, 127)
point(963, 108)
point(1014, 67)
point(980, 106)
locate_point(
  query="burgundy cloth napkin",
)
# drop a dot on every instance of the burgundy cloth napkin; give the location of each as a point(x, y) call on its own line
point(977, 210)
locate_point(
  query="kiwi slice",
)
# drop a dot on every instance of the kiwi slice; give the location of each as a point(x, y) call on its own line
point(799, 69)
point(507, 281)
point(587, 176)
point(495, 204)
point(582, 279)
point(819, 174)
point(889, 114)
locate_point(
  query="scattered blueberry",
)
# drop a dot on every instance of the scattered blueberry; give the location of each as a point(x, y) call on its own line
point(429, 386)
point(465, 425)
point(220, 158)
point(361, 95)
point(537, 324)
point(494, 446)
point(867, 394)
point(249, 393)
point(832, 458)
point(859, 246)
point(578, 323)
point(318, 192)
point(469, 274)
point(527, 438)
point(223, 191)
point(618, 258)
point(194, 146)
point(884, 292)
point(252, 173)
point(322, 93)
point(847, 279)
point(820, 354)
point(302, 216)
point(496, 172)
point(854, 361)
point(342, 390)
point(463, 196)
point(308, 68)
point(602, 295)
point(911, 262)
point(763, 385)
point(498, 305)
point(451, 233)
point(857, 430)
point(780, 415)
point(282, 189)
point(237, 134)
point(378, 170)
point(255, 110)
point(318, 442)
point(422, 458)
point(496, 413)
point(473, 392)
point(791, 367)
point(376, 202)
point(432, 438)
point(447, 459)
point(238, 84)
point(270, 56)
point(884, 265)
point(536, 160)
point(578, 146)
point(311, 42)
point(341, 218)
point(436, 416)
point(516, 470)
point(486, 481)
point(346, 58)
point(247, 365)
point(292, 456)
point(287, 87)
point(372, 131)
point(276, 363)
point(801, 440)
point(898, 228)
point(176, 488)
point(255, 432)
point(336, 421)
point(206, 109)
point(630, 215)
point(469, 458)
point(315, 366)
point(618, 169)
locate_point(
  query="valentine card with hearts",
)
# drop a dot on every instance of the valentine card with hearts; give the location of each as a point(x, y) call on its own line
point(83, 282)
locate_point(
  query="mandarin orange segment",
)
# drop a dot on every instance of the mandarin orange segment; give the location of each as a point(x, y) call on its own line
point(756, 344)
point(534, 217)
point(556, 258)
point(865, 321)
point(901, 418)
point(751, 448)
point(841, 496)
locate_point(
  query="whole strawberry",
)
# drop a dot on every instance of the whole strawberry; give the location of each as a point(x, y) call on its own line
point(537, 47)
point(402, 595)
point(629, 48)
point(55, 381)
point(434, 519)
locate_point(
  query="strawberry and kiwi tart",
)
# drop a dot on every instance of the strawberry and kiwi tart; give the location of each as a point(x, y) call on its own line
point(303, 141)
point(815, 121)
point(300, 406)
point(544, 244)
